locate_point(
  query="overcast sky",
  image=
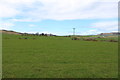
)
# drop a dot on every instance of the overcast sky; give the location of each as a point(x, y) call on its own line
point(59, 16)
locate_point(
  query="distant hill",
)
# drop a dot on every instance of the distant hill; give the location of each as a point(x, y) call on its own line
point(10, 32)
point(110, 34)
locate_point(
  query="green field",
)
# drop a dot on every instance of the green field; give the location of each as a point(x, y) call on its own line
point(58, 57)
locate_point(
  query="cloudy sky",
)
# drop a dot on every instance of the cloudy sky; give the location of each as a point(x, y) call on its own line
point(59, 16)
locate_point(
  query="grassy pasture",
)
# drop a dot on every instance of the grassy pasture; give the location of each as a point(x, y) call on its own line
point(58, 57)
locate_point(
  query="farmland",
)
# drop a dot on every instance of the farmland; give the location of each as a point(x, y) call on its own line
point(58, 57)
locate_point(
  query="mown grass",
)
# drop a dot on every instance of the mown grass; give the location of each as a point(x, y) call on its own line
point(58, 57)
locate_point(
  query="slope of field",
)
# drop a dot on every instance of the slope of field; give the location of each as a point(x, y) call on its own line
point(58, 57)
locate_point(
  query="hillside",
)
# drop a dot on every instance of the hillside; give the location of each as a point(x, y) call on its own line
point(10, 32)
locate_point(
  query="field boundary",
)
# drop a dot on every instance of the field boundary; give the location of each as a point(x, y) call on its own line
point(0, 56)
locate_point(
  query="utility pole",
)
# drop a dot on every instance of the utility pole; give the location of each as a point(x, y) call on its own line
point(73, 37)
point(73, 31)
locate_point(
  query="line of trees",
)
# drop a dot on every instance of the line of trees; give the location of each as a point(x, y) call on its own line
point(36, 34)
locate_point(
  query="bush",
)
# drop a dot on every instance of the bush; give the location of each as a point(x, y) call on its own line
point(75, 38)
point(112, 40)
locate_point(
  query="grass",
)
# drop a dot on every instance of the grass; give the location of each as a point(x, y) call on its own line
point(58, 57)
